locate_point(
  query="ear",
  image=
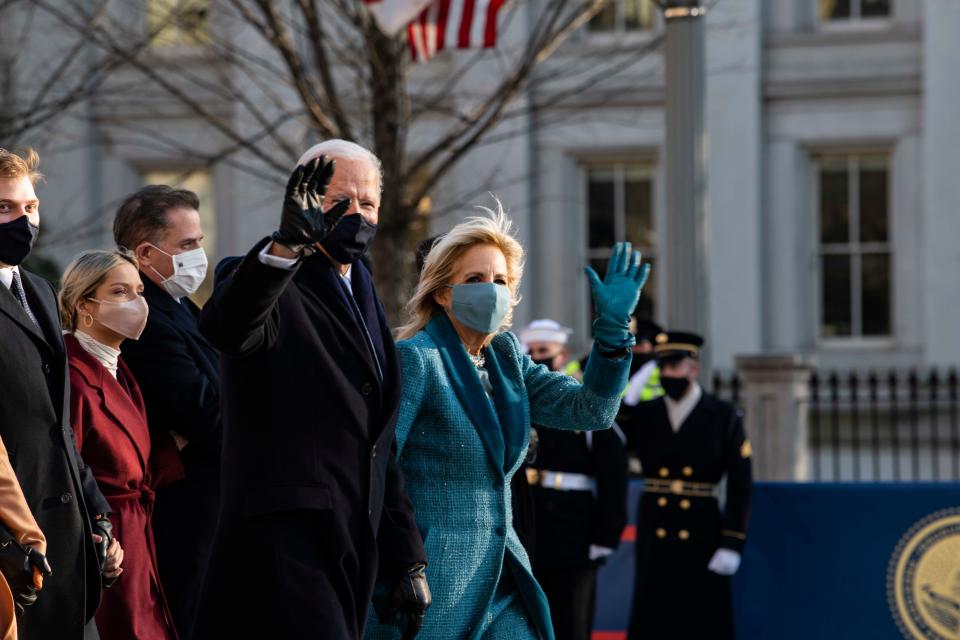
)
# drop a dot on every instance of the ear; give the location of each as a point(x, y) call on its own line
point(442, 296)
point(83, 307)
point(143, 252)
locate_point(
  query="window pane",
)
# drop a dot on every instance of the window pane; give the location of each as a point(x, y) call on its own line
point(648, 299)
point(876, 295)
point(835, 280)
point(600, 207)
point(606, 19)
point(834, 202)
point(834, 9)
point(874, 8)
point(873, 199)
point(638, 206)
point(637, 14)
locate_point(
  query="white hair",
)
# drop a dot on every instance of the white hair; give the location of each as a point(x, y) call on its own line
point(337, 148)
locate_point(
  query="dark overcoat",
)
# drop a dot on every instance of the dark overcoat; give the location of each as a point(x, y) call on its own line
point(110, 425)
point(313, 502)
point(680, 524)
point(61, 491)
point(179, 375)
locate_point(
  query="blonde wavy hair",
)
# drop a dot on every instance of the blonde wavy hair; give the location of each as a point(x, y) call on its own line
point(82, 277)
point(495, 229)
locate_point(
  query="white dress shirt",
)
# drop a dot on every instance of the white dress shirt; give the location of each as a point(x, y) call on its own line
point(6, 276)
point(289, 263)
point(679, 410)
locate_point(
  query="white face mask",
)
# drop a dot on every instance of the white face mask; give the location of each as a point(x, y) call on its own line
point(189, 270)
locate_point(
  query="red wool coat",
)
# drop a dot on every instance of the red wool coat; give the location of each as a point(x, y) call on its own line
point(110, 424)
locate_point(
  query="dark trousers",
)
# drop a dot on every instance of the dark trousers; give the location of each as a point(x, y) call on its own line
point(572, 594)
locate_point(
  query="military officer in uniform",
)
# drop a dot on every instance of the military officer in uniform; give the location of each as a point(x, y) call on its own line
point(687, 548)
point(579, 484)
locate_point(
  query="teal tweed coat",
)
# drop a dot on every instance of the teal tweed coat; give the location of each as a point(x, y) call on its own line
point(457, 471)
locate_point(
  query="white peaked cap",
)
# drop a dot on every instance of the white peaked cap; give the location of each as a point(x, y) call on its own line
point(545, 330)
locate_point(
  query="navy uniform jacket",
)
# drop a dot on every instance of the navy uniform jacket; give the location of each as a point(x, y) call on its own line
point(680, 525)
point(312, 497)
point(60, 489)
point(179, 375)
point(568, 522)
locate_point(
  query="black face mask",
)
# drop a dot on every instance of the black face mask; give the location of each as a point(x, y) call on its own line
point(547, 362)
point(349, 239)
point(676, 388)
point(16, 240)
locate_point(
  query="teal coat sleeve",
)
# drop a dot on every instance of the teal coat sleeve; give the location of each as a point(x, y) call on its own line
point(414, 372)
point(561, 402)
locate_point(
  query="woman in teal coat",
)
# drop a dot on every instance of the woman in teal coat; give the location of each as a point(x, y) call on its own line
point(469, 396)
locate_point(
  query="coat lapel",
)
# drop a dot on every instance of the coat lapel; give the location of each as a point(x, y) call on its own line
point(466, 384)
point(10, 306)
point(125, 407)
point(511, 409)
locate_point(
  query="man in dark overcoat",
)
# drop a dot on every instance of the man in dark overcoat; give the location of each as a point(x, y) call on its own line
point(179, 374)
point(35, 425)
point(687, 546)
point(313, 504)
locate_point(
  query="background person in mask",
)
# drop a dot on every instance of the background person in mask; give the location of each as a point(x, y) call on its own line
point(469, 397)
point(686, 549)
point(179, 375)
point(313, 504)
point(101, 305)
point(35, 423)
point(579, 484)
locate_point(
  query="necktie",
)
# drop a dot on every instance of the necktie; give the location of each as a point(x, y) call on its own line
point(16, 288)
point(358, 316)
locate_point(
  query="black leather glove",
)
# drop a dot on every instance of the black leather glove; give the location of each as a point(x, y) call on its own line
point(407, 600)
point(17, 563)
point(104, 528)
point(302, 220)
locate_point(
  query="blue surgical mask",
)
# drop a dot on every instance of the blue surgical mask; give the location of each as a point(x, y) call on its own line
point(481, 306)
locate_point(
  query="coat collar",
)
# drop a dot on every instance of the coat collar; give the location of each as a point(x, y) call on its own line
point(121, 404)
point(500, 424)
point(10, 306)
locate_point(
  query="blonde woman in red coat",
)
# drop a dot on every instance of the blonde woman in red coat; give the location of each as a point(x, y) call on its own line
point(101, 306)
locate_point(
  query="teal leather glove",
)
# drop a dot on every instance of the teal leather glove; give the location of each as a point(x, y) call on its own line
point(616, 297)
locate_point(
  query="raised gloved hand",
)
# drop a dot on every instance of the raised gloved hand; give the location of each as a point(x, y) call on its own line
point(724, 562)
point(303, 222)
point(408, 600)
point(103, 540)
point(616, 297)
point(23, 568)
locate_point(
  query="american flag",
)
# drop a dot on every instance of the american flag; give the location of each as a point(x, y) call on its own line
point(439, 24)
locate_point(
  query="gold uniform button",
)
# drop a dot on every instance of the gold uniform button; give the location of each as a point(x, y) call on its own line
point(684, 504)
point(688, 471)
point(662, 502)
point(684, 534)
point(664, 472)
point(661, 533)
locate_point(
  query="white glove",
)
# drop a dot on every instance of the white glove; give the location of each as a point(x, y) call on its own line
point(597, 552)
point(724, 562)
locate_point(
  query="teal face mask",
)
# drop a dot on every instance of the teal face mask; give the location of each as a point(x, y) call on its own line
point(480, 305)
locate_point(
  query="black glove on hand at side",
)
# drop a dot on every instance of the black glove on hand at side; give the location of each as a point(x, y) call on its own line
point(408, 600)
point(104, 528)
point(17, 563)
point(303, 222)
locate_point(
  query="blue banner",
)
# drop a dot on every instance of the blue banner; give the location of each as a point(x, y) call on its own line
point(838, 561)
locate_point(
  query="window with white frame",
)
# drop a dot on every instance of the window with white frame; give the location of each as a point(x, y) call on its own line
point(854, 246)
point(618, 16)
point(620, 208)
point(846, 10)
point(200, 182)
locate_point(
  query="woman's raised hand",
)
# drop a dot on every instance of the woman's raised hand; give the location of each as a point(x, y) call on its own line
point(616, 296)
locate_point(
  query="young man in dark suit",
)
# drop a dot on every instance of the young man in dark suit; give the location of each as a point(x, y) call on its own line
point(35, 427)
point(179, 374)
point(314, 508)
point(687, 548)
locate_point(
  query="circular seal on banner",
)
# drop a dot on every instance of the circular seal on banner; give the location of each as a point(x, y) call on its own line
point(923, 578)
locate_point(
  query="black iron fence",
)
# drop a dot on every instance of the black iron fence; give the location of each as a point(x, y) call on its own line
point(897, 426)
